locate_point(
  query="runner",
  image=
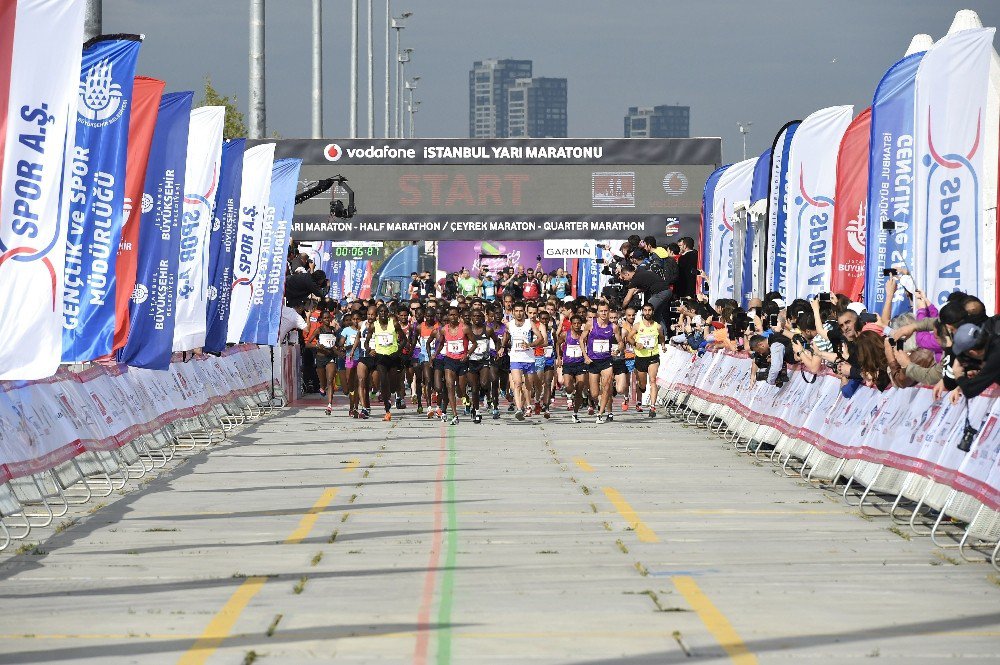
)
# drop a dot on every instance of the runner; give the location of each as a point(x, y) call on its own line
point(347, 363)
point(384, 337)
point(596, 340)
point(545, 365)
point(366, 361)
point(620, 364)
point(456, 339)
point(425, 348)
point(521, 338)
point(480, 361)
point(497, 361)
point(570, 362)
point(648, 338)
point(405, 356)
point(325, 356)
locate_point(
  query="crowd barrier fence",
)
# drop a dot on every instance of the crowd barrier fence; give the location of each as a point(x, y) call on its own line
point(895, 451)
point(79, 435)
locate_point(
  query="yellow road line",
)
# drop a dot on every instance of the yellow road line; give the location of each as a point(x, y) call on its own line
point(223, 622)
point(309, 519)
point(645, 534)
point(351, 466)
point(583, 464)
point(715, 621)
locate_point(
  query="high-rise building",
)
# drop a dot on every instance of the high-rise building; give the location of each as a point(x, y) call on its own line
point(489, 82)
point(536, 108)
point(658, 122)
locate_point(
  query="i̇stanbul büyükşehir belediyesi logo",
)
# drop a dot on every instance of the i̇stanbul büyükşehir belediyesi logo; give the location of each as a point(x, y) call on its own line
point(101, 99)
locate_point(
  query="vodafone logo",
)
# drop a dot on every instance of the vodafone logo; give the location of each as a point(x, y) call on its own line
point(332, 152)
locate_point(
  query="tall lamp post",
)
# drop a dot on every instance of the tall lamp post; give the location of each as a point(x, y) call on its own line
point(745, 131)
point(414, 107)
point(317, 69)
point(354, 69)
point(410, 87)
point(404, 57)
point(396, 23)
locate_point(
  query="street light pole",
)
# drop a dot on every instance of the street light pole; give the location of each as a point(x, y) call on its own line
point(93, 23)
point(317, 69)
point(397, 25)
point(388, 24)
point(404, 57)
point(413, 109)
point(258, 120)
point(354, 69)
point(371, 73)
point(410, 87)
point(745, 131)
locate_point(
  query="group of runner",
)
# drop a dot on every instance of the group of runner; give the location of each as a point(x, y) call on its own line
point(472, 354)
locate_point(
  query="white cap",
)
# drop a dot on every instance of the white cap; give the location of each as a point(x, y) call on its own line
point(779, 302)
point(857, 308)
point(569, 299)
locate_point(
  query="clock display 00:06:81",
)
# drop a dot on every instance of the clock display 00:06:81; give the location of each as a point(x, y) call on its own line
point(357, 252)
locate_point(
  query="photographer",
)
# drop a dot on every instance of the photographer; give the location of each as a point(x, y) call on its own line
point(768, 359)
point(977, 357)
point(655, 289)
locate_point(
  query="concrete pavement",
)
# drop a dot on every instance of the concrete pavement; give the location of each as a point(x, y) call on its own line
point(309, 538)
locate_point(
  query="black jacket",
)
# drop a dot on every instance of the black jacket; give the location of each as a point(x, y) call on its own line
point(687, 275)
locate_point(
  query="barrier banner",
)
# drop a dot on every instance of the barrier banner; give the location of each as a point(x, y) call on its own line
point(812, 179)
point(146, 95)
point(951, 89)
point(201, 180)
point(96, 196)
point(707, 222)
point(733, 186)
point(851, 212)
point(255, 190)
point(890, 187)
point(222, 244)
point(905, 429)
point(40, 60)
point(151, 315)
point(264, 315)
point(48, 422)
point(777, 209)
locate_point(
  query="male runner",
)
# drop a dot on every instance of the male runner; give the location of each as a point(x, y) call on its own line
point(384, 337)
point(597, 338)
point(456, 339)
point(570, 361)
point(521, 338)
point(648, 338)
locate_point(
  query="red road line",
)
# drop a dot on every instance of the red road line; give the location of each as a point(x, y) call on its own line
point(424, 616)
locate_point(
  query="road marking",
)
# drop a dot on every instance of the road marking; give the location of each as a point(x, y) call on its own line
point(715, 621)
point(427, 598)
point(646, 535)
point(351, 466)
point(218, 628)
point(448, 580)
point(309, 519)
point(583, 464)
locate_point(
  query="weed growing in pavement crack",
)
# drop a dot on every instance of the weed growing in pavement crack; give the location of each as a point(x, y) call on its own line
point(333, 536)
point(865, 516)
point(899, 532)
point(572, 479)
point(950, 559)
point(274, 625)
point(354, 551)
point(316, 559)
point(96, 507)
point(586, 490)
point(641, 568)
point(607, 526)
point(995, 579)
point(372, 465)
point(250, 657)
point(353, 498)
point(158, 530)
point(30, 548)
point(300, 585)
point(680, 642)
point(66, 524)
point(593, 507)
point(547, 552)
point(621, 546)
point(365, 474)
point(344, 518)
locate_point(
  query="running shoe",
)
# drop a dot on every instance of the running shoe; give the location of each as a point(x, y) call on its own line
point(353, 413)
point(510, 407)
point(611, 417)
point(569, 403)
point(576, 418)
point(329, 410)
point(601, 419)
point(387, 417)
point(430, 412)
point(496, 414)
point(476, 418)
point(590, 411)
point(638, 407)
point(453, 420)
point(322, 392)
point(652, 412)
point(400, 403)
point(519, 414)
point(545, 413)
point(364, 414)
point(538, 408)
point(420, 409)
point(624, 405)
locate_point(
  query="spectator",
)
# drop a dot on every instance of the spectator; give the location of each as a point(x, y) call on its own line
point(768, 359)
point(301, 287)
point(687, 264)
point(977, 356)
point(656, 291)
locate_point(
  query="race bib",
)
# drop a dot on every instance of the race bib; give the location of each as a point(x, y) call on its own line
point(482, 346)
point(383, 340)
point(574, 351)
point(519, 344)
point(614, 349)
point(326, 339)
point(455, 346)
point(601, 345)
point(647, 342)
point(548, 351)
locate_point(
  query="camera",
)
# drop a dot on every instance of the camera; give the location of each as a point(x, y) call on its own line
point(968, 436)
point(889, 272)
point(899, 344)
point(538, 258)
point(800, 339)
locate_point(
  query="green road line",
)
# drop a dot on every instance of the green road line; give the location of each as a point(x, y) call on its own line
point(448, 580)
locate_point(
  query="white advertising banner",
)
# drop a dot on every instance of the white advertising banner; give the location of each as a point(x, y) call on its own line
point(950, 129)
point(255, 192)
point(733, 186)
point(812, 179)
point(570, 249)
point(42, 42)
point(201, 179)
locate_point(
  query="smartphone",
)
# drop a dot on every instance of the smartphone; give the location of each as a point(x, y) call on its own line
point(889, 272)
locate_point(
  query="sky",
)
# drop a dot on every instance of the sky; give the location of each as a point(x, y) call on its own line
point(764, 62)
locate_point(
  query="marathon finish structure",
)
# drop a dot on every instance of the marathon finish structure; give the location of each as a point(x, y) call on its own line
point(504, 189)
